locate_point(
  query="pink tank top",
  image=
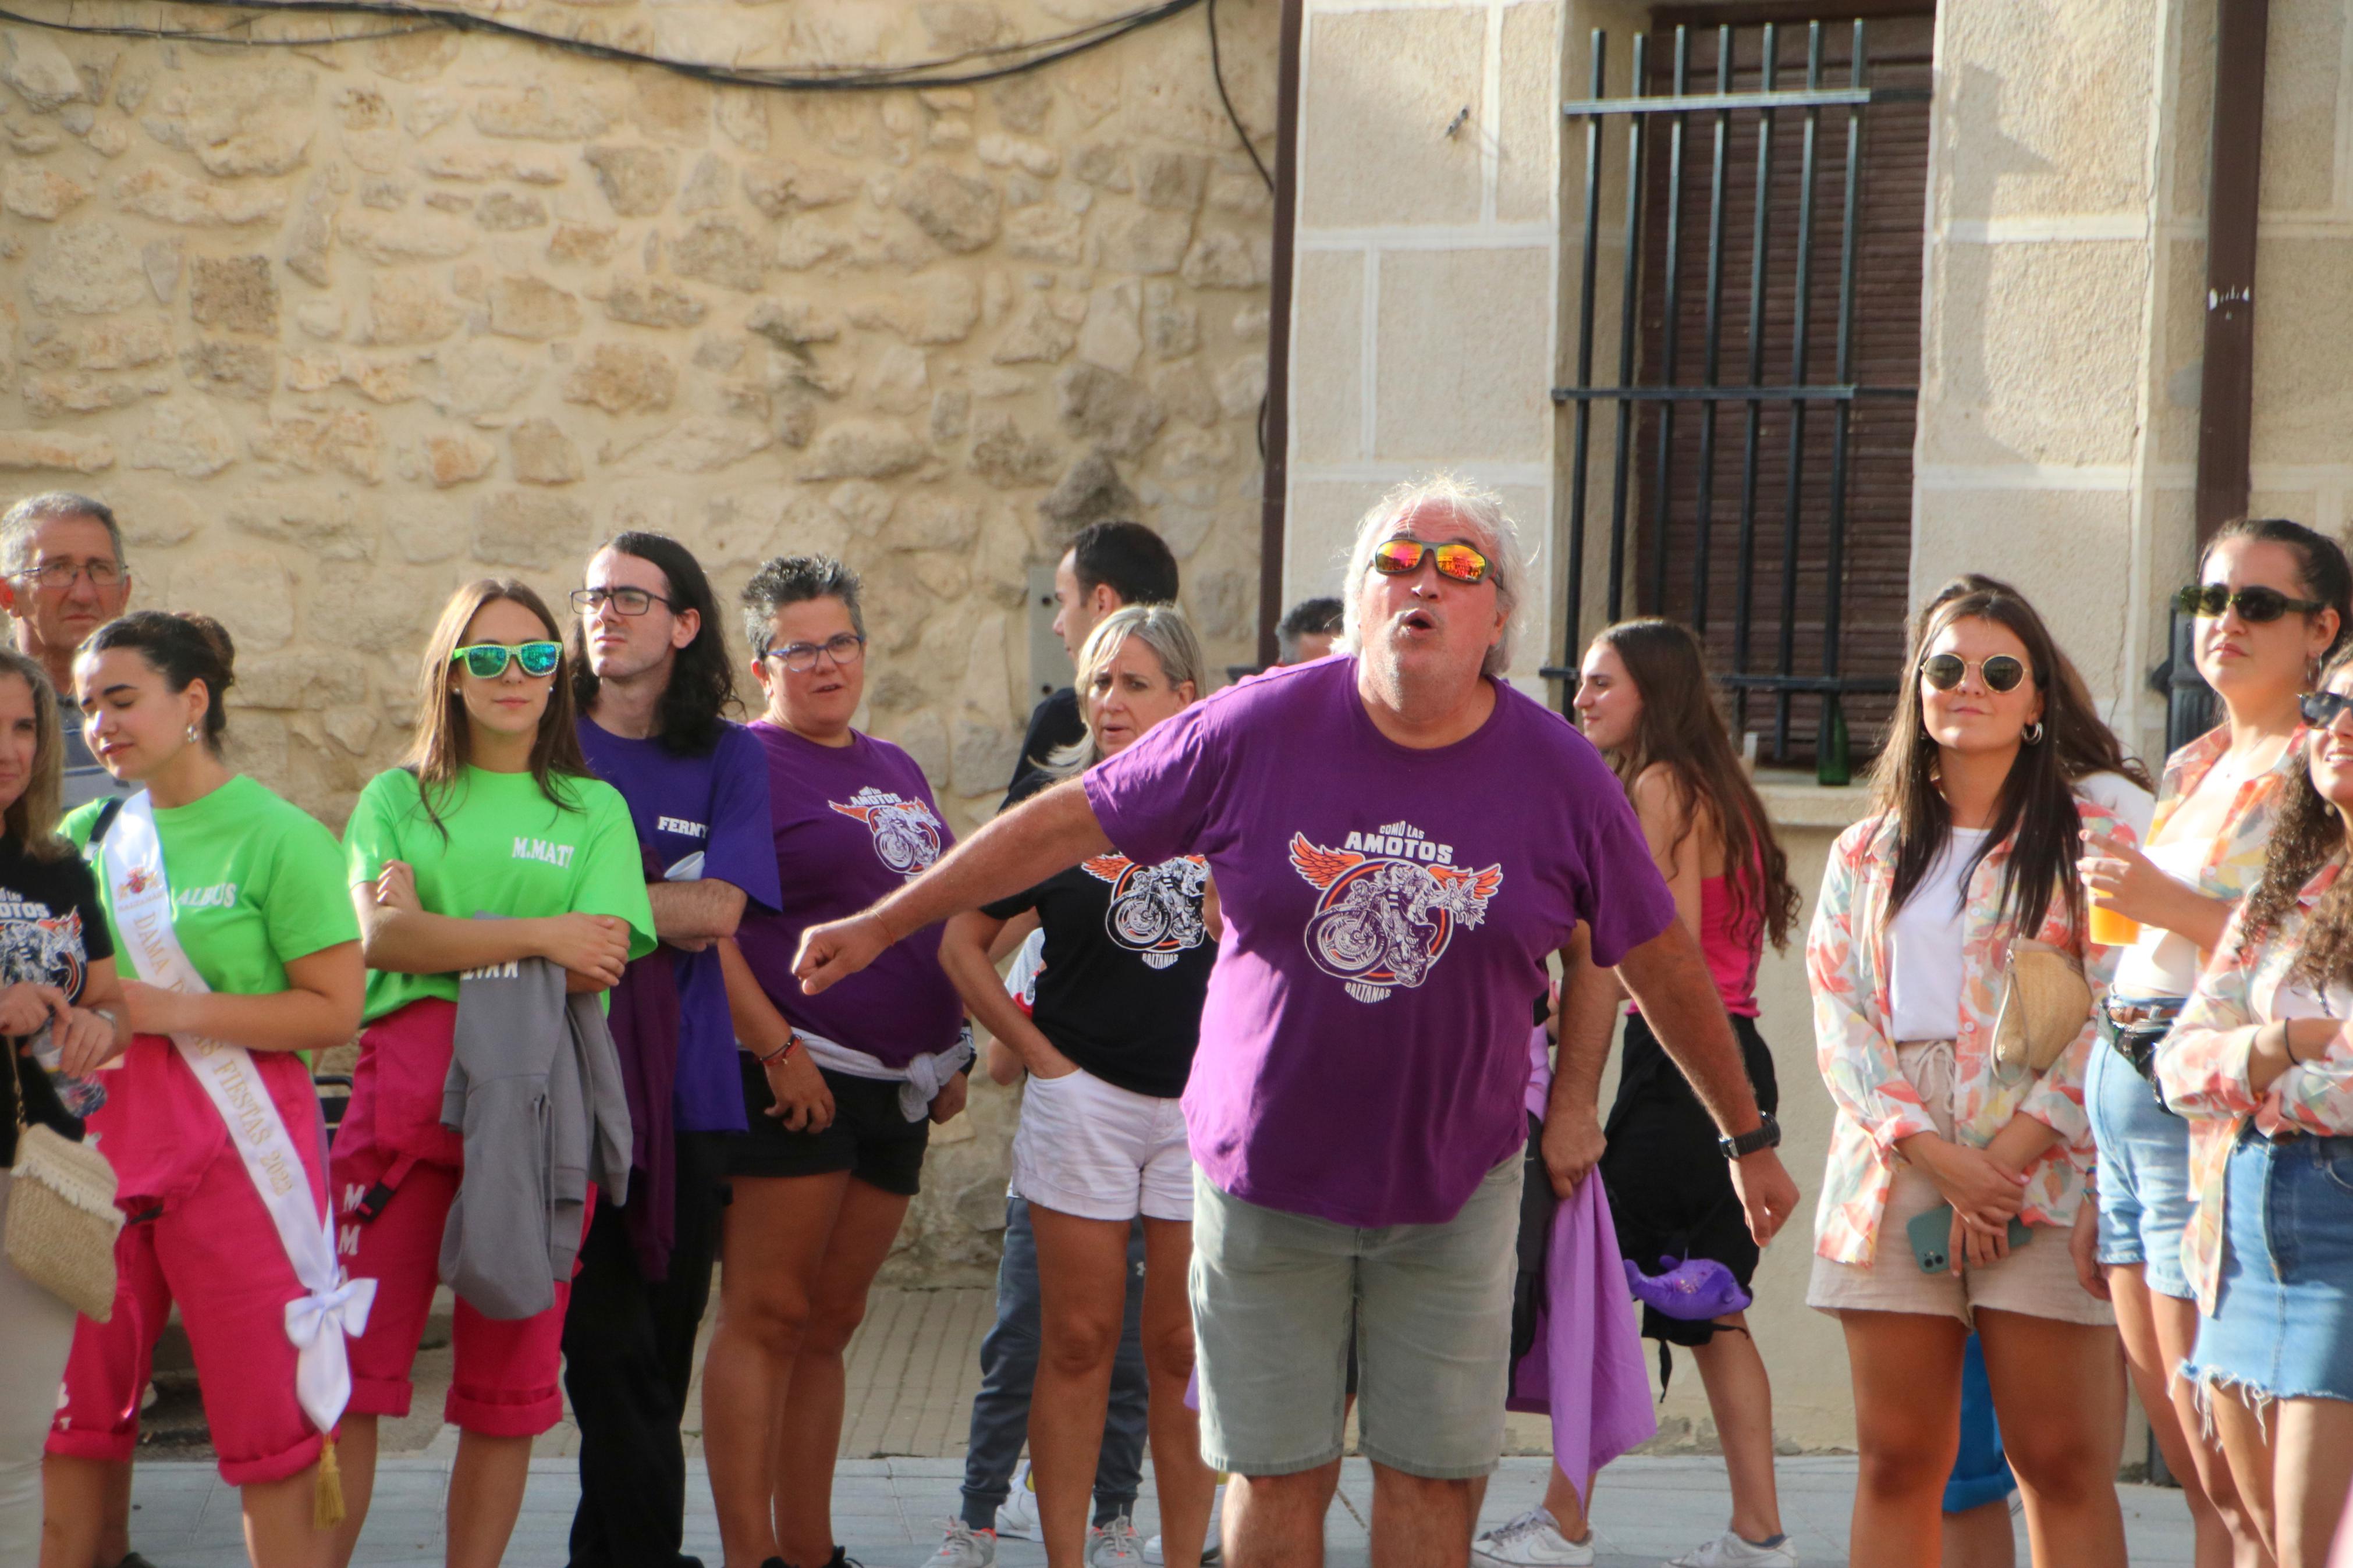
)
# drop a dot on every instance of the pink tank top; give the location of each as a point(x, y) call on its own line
point(1732, 941)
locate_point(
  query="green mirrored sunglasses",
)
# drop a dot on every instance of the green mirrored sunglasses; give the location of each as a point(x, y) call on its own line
point(488, 660)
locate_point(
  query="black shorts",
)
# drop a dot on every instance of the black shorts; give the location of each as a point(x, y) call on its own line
point(1669, 1187)
point(870, 1136)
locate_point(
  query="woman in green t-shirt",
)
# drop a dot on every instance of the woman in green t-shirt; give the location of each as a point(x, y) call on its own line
point(494, 812)
point(226, 908)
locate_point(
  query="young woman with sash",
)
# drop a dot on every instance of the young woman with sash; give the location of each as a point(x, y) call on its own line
point(61, 1010)
point(227, 912)
point(494, 812)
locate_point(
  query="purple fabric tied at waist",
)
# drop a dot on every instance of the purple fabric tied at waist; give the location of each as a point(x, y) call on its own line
point(644, 1024)
point(1586, 1367)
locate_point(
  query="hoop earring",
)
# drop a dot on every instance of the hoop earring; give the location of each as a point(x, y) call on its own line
point(194, 737)
point(2032, 733)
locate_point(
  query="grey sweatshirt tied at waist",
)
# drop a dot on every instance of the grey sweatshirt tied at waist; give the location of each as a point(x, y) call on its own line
point(534, 1089)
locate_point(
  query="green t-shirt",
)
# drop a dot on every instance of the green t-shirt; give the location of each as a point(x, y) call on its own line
point(509, 850)
point(255, 881)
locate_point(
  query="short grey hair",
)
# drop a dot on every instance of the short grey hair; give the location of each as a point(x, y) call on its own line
point(17, 524)
point(1478, 510)
point(793, 579)
point(1164, 629)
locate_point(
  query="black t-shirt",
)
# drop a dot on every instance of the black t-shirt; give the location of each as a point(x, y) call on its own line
point(1054, 723)
point(1127, 965)
point(51, 927)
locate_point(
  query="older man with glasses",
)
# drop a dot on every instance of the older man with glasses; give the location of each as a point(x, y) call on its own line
point(1401, 841)
point(62, 578)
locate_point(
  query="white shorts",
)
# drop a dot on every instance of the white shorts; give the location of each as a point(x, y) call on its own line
point(1094, 1149)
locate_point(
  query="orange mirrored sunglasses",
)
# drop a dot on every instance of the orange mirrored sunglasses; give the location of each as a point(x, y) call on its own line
point(1403, 556)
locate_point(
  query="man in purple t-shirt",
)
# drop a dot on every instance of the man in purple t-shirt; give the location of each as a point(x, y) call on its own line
point(1400, 841)
point(652, 678)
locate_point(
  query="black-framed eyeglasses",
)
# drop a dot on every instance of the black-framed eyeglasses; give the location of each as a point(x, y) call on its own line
point(2002, 672)
point(58, 576)
point(2321, 709)
point(624, 601)
point(800, 658)
point(2258, 605)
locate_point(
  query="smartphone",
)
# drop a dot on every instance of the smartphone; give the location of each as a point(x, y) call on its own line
point(1931, 1236)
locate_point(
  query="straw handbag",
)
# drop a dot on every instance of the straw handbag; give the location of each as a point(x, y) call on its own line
point(62, 1221)
point(2045, 1002)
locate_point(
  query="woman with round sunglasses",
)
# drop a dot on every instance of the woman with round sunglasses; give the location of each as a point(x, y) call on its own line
point(1108, 1044)
point(1971, 846)
point(2272, 600)
point(238, 952)
point(494, 813)
point(2261, 1064)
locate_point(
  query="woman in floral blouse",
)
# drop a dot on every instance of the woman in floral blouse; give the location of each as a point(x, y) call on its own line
point(1973, 839)
point(2261, 1064)
point(2271, 602)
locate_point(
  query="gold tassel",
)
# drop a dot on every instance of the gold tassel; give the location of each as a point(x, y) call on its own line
point(327, 1497)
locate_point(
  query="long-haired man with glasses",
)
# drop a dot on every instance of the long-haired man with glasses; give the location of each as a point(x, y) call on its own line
point(62, 578)
point(654, 683)
point(1356, 1110)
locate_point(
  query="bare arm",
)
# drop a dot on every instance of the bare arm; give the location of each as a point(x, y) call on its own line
point(1668, 979)
point(90, 1038)
point(398, 933)
point(1572, 1143)
point(803, 1102)
point(964, 954)
point(1051, 832)
point(694, 914)
point(1675, 841)
point(2140, 889)
point(1011, 935)
point(319, 1009)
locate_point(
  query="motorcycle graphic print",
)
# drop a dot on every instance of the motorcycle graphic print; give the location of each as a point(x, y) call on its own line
point(1392, 901)
point(907, 833)
point(1156, 910)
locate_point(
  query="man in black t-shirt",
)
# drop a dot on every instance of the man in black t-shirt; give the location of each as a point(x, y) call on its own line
point(1109, 565)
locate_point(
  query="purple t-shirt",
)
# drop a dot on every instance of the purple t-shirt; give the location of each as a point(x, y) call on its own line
point(1388, 913)
point(852, 824)
point(705, 816)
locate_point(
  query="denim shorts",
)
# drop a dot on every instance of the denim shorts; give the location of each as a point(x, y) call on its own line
point(1275, 1294)
point(2282, 1326)
point(2145, 1196)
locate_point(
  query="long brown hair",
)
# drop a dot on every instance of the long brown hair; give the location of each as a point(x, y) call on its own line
point(1681, 729)
point(2306, 835)
point(444, 739)
point(2037, 805)
point(31, 818)
point(2084, 749)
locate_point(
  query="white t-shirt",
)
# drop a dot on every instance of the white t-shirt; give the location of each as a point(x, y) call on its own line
point(2164, 962)
point(1923, 946)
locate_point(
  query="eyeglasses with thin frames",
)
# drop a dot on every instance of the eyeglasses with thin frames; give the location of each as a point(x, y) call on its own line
point(800, 658)
point(58, 576)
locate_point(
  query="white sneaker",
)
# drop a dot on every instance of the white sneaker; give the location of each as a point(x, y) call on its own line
point(1017, 1516)
point(1730, 1551)
point(1212, 1553)
point(1114, 1545)
point(964, 1548)
point(1533, 1539)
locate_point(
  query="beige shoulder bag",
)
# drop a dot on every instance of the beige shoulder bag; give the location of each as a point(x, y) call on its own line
point(2046, 1001)
point(62, 1221)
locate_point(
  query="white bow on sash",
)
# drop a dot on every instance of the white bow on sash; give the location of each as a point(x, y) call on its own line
point(334, 1308)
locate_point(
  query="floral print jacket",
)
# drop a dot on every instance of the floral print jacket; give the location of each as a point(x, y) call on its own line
point(2202, 1068)
point(2235, 861)
point(1847, 964)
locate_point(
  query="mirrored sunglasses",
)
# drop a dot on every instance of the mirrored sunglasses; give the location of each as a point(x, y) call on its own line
point(2258, 605)
point(1403, 557)
point(2002, 672)
point(2322, 709)
point(488, 660)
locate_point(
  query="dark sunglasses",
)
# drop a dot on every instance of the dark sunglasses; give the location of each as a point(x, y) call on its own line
point(488, 660)
point(2002, 672)
point(2259, 605)
point(1402, 557)
point(2322, 709)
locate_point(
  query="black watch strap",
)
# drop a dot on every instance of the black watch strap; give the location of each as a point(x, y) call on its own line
point(1766, 1134)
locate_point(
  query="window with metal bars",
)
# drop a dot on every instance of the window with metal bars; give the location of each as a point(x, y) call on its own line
point(1749, 463)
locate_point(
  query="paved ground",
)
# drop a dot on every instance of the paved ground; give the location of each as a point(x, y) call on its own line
point(889, 1512)
point(911, 1373)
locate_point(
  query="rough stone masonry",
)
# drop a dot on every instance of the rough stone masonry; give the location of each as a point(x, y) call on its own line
point(336, 328)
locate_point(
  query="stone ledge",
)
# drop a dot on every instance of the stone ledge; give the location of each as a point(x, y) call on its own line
point(1794, 800)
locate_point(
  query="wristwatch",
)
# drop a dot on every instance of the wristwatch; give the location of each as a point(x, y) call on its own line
point(1766, 1134)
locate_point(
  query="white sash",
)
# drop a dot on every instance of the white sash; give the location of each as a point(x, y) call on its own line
point(317, 1322)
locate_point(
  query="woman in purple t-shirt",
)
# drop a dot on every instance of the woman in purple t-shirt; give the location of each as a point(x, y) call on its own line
point(1108, 1047)
point(840, 1088)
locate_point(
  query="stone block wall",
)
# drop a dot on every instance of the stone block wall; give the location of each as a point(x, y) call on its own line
point(336, 328)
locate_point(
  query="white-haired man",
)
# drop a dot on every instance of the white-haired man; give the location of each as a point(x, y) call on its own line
point(1400, 841)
